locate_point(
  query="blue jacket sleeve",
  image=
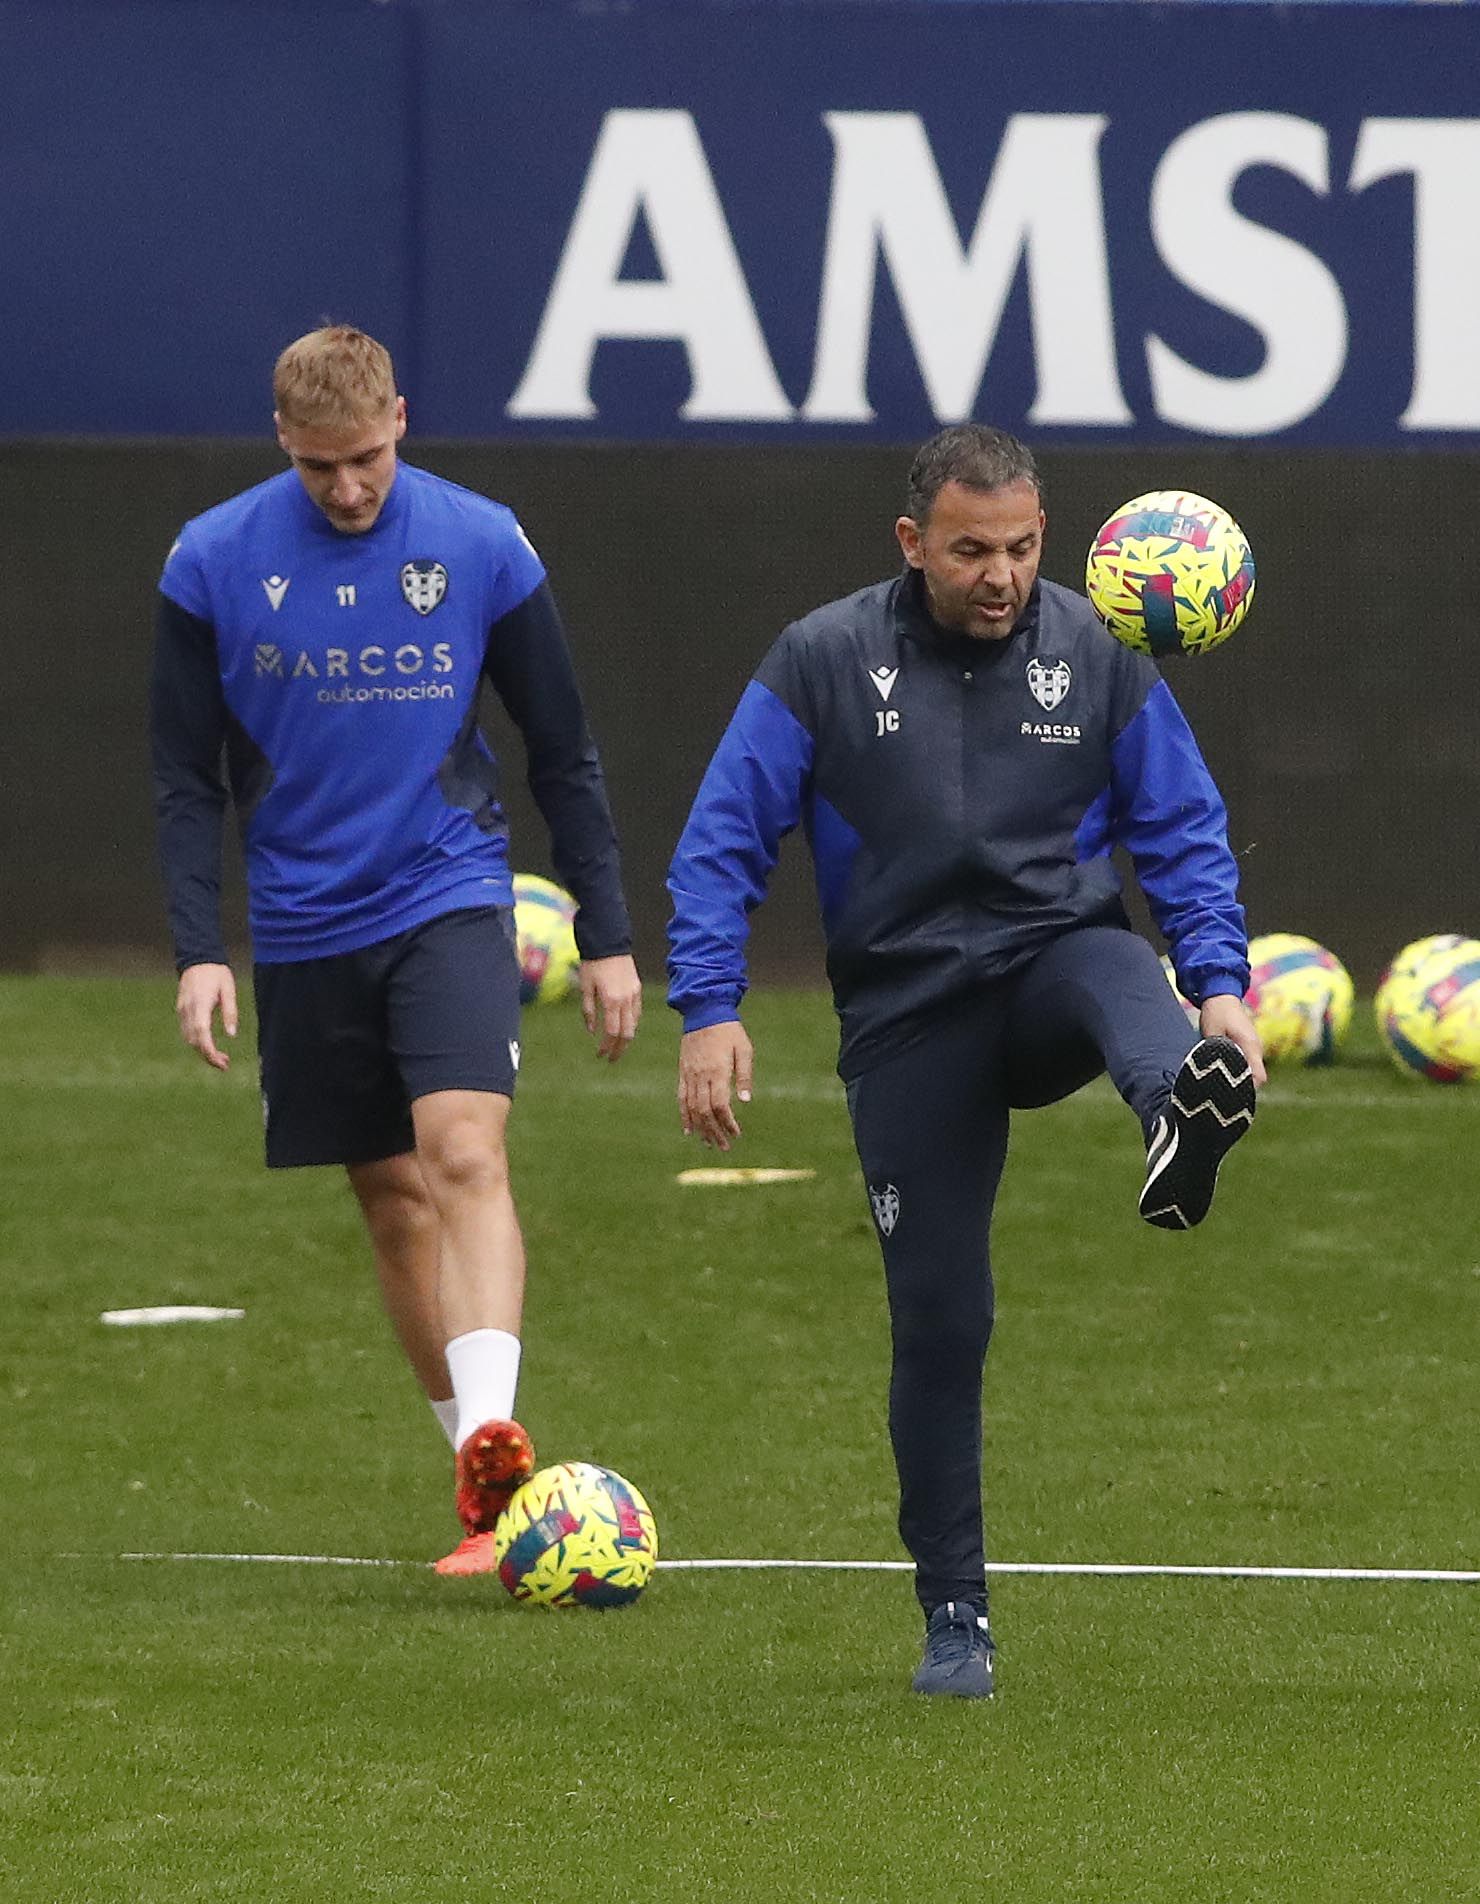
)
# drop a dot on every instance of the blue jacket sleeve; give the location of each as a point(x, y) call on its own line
point(188, 731)
point(1170, 817)
point(749, 800)
point(530, 667)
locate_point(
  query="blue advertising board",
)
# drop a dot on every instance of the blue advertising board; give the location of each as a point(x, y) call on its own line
point(1115, 222)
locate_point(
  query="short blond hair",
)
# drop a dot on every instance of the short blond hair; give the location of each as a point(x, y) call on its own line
point(331, 377)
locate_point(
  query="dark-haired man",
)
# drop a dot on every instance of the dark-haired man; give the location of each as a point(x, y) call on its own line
point(964, 746)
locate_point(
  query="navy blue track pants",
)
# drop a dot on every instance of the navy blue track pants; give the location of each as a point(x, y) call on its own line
point(930, 1124)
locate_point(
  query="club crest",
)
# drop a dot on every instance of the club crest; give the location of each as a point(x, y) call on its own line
point(423, 584)
point(1048, 682)
point(886, 1207)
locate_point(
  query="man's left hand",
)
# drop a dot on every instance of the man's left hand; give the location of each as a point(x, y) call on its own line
point(611, 1003)
point(1229, 1017)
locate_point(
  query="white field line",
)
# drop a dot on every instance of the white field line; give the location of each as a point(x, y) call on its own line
point(823, 1089)
point(281, 1560)
point(1100, 1569)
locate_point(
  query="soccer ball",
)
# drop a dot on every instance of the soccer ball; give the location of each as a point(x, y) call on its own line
point(544, 923)
point(576, 1536)
point(1170, 573)
point(1301, 998)
point(1428, 1009)
point(1406, 963)
point(1193, 1016)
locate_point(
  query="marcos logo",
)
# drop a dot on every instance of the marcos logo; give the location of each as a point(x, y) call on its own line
point(371, 662)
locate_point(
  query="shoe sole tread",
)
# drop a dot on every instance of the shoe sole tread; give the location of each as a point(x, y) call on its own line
point(1211, 1107)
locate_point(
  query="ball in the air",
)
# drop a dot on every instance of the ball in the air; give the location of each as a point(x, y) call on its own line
point(1170, 573)
point(576, 1535)
point(1428, 1009)
point(1300, 996)
point(544, 924)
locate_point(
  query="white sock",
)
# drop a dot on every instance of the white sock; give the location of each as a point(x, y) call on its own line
point(484, 1366)
point(446, 1413)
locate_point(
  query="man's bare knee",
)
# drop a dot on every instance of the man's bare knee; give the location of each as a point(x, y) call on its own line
point(465, 1162)
point(394, 1199)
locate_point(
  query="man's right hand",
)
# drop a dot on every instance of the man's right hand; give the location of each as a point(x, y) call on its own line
point(1227, 1016)
point(205, 989)
point(708, 1062)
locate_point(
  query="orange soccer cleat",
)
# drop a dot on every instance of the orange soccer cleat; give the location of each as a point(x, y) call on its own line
point(472, 1554)
point(494, 1460)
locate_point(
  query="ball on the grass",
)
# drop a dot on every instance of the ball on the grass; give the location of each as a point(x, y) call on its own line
point(1428, 1009)
point(1170, 573)
point(1301, 998)
point(576, 1535)
point(1406, 962)
point(544, 925)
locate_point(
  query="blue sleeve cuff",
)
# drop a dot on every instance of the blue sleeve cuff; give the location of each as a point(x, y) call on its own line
point(1225, 985)
point(710, 1011)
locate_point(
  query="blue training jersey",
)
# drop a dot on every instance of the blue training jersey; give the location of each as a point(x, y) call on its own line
point(341, 674)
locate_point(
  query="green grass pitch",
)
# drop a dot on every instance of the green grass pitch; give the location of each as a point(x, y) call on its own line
point(1293, 1384)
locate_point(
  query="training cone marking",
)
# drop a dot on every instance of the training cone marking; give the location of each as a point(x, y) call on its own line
point(717, 1178)
point(168, 1312)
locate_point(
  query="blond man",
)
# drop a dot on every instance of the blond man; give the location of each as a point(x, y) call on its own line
point(328, 633)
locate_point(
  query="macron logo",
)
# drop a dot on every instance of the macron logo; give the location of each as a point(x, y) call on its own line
point(883, 680)
point(277, 588)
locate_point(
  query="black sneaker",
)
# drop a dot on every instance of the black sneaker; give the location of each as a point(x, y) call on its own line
point(1211, 1106)
point(958, 1652)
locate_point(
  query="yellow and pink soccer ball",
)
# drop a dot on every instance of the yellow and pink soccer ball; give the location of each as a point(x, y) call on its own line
point(1428, 1009)
point(1170, 573)
point(1301, 998)
point(576, 1535)
point(1418, 952)
point(544, 925)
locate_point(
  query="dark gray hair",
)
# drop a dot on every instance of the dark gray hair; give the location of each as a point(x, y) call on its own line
point(971, 453)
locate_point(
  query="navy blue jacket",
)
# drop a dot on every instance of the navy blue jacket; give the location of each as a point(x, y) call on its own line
point(961, 799)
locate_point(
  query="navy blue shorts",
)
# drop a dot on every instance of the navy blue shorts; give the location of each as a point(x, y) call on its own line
point(347, 1043)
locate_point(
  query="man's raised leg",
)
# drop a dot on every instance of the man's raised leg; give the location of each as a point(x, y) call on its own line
point(1097, 1000)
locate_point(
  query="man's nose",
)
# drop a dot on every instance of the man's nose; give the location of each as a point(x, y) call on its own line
point(997, 571)
point(346, 488)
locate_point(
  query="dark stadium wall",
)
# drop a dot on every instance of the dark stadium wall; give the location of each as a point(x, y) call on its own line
point(1341, 721)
